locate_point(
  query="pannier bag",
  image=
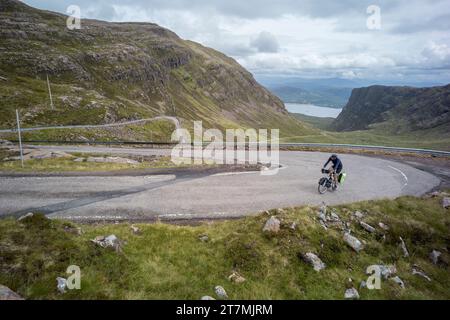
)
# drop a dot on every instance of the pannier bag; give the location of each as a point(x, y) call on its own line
point(342, 177)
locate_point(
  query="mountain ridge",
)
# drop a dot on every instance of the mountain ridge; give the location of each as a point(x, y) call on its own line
point(397, 109)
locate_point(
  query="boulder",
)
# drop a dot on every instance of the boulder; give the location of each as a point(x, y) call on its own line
point(351, 294)
point(404, 249)
point(61, 284)
point(446, 202)
point(220, 292)
point(203, 238)
point(363, 284)
point(333, 217)
point(135, 229)
point(398, 281)
point(358, 215)
point(236, 278)
point(353, 242)
point(367, 227)
point(322, 216)
point(207, 298)
point(272, 225)
point(383, 226)
point(7, 294)
point(314, 261)
point(108, 242)
point(386, 271)
point(24, 217)
point(417, 271)
point(73, 230)
point(323, 208)
point(435, 256)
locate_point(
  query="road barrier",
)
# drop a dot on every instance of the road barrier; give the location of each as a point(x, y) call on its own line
point(282, 145)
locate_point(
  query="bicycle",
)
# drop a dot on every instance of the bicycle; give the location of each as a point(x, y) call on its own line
point(328, 182)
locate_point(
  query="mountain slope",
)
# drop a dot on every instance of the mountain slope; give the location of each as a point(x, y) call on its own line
point(110, 72)
point(397, 110)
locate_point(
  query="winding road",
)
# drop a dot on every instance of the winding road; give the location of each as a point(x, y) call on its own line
point(204, 194)
point(175, 121)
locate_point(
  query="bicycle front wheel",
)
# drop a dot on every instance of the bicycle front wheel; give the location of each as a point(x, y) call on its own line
point(322, 188)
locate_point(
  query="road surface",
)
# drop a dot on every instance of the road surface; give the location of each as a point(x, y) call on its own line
point(199, 195)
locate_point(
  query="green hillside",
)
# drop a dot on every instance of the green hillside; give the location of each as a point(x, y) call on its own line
point(111, 72)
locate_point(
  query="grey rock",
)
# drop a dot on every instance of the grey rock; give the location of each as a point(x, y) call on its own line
point(367, 227)
point(363, 284)
point(383, 226)
point(28, 215)
point(353, 242)
point(417, 271)
point(220, 292)
point(351, 294)
point(323, 224)
point(135, 229)
point(404, 249)
point(334, 217)
point(314, 261)
point(7, 294)
point(207, 298)
point(203, 238)
point(445, 202)
point(74, 230)
point(236, 278)
point(398, 281)
point(79, 160)
point(323, 208)
point(358, 214)
point(293, 226)
point(322, 216)
point(110, 241)
point(61, 284)
point(386, 271)
point(435, 256)
point(272, 225)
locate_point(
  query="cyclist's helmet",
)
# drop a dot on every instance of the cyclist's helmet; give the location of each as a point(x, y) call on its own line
point(334, 156)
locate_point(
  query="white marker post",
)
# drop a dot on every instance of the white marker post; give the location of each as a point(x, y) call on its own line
point(20, 136)
point(50, 93)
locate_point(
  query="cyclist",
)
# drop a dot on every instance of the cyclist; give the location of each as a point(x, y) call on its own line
point(337, 167)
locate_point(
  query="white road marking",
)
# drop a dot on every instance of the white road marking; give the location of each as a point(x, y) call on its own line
point(282, 167)
point(402, 173)
point(233, 173)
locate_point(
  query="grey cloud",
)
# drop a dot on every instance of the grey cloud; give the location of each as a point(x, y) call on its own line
point(438, 23)
point(244, 9)
point(330, 38)
point(265, 42)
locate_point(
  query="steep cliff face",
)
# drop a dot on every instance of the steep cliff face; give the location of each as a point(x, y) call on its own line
point(397, 109)
point(108, 72)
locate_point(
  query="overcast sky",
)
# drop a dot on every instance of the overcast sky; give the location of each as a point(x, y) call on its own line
point(310, 38)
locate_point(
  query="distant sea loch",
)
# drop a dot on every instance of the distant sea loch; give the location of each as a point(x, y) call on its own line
point(312, 110)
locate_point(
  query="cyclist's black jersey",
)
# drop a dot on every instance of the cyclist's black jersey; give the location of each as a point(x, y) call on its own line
point(337, 164)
